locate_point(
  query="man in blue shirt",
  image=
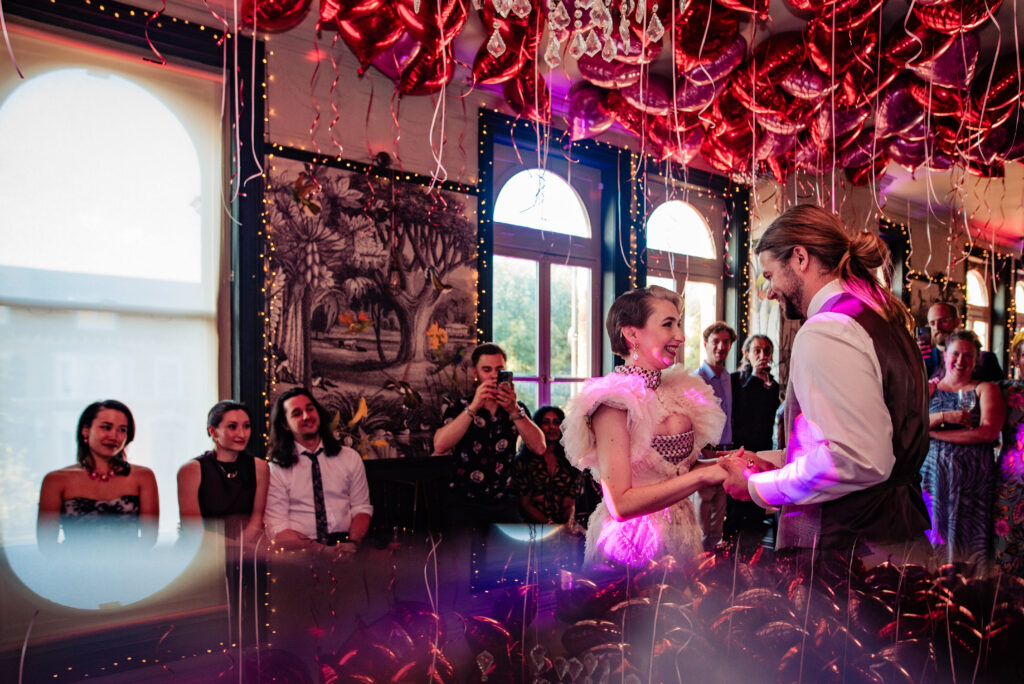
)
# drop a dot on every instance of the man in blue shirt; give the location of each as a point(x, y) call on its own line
point(711, 501)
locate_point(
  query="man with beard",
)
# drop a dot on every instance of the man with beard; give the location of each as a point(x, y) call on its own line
point(857, 405)
point(318, 495)
point(943, 320)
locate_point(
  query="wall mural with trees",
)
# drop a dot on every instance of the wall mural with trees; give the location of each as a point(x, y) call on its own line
point(370, 300)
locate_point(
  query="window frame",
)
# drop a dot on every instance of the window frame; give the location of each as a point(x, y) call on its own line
point(662, 264)
point(546, 249)
point(978, 313)
point(238, 304)
point(611, 227)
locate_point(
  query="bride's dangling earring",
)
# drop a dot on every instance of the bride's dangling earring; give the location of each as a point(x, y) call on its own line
point(636, 349)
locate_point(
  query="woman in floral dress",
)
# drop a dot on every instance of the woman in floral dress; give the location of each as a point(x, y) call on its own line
point(1009, 509)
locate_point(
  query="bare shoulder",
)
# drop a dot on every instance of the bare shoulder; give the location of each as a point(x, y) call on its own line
point(142, 472)
point(988, 389)
point(61, 475)
point(262, 467)
point(608, 416)
point(67, 472)
point(189, 467)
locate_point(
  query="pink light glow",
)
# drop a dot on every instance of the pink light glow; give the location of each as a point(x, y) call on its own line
point(633, 542)
point(696, 396)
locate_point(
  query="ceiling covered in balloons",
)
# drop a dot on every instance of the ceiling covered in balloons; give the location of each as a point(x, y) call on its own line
point(919, 102)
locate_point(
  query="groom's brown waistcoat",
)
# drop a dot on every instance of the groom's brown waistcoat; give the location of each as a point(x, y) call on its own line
point(891, 511)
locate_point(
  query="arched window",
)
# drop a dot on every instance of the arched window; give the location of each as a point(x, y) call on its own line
point(546, 266)
point(682, 256)
point(978, 309)
point(542, 200)
point(111, 196)
point(677, 228)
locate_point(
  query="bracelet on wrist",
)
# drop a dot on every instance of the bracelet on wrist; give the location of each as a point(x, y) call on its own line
point(470, 412)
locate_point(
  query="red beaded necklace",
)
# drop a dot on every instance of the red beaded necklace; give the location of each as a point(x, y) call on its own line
point(102, 477)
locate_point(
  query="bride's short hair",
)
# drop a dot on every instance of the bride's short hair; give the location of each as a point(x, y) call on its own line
point(632, 309)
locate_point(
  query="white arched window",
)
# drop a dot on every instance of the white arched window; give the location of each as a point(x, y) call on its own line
point(542, 200)
point(978, 309)
point(546, 266)
point(110, 193)
point(682, 256)
point(677, 228)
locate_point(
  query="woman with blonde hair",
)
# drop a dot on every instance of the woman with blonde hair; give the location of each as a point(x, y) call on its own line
point(958, 475)
point(639, 431)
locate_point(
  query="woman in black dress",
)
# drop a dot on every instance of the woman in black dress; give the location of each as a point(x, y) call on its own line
point(225, 486)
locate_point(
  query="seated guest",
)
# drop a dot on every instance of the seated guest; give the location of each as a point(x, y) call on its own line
point(755, 401)
point(944, 319)
point(102, 494)
point(225, 484)
point(318, 495)
point(958, 474)
point(482, 434)
point(1009, 511)
point(546, 483)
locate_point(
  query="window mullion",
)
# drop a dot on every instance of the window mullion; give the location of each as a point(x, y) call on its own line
point(544, 332)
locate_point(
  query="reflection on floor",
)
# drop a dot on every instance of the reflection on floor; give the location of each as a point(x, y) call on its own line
point(515, 607)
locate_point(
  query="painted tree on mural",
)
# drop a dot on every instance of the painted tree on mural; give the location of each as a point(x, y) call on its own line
point(432, 237)
point(345, 241)
point(311, 238)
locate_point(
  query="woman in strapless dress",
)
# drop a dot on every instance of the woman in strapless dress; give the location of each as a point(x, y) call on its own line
point(101, 497)
point(639, 430)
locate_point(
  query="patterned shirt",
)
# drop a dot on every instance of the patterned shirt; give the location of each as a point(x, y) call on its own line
point(532, 478)
point(484, 455)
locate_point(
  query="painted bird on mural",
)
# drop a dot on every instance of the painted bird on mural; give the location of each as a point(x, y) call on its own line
point(436, 281)
point(304, 188)
point(410, 397)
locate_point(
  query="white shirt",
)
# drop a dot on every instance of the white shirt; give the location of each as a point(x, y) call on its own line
point(290, 493)
point(843, 442)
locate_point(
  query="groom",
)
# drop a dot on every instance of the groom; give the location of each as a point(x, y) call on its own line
point(857, 405)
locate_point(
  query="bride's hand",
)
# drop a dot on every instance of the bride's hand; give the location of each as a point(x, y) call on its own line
point(713, 474)
point(737, 468)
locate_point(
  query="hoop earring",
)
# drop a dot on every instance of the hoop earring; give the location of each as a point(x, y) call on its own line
point(636, 349)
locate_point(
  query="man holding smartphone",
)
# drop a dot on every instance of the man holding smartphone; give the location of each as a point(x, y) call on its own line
point(481, 434)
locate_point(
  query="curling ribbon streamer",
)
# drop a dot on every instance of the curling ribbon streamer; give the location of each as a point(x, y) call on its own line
point(312, 95)
point(334, 105)
point(224, 58)
point(440, 173)
point(24, 644)
point(7, 41)
point(152, 17)
point(252, 107)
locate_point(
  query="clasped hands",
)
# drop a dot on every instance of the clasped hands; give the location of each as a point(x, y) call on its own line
point(739, 465)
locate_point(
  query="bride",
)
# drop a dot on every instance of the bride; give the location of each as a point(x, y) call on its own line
point(639, 430)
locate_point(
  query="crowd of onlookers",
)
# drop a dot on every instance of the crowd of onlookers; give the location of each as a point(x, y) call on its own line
point(509, 466)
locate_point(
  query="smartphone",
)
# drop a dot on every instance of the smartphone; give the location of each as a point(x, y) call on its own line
point(505, 378)
point(924, 336)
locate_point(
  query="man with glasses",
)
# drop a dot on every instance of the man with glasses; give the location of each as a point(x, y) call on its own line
point(943, 320)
